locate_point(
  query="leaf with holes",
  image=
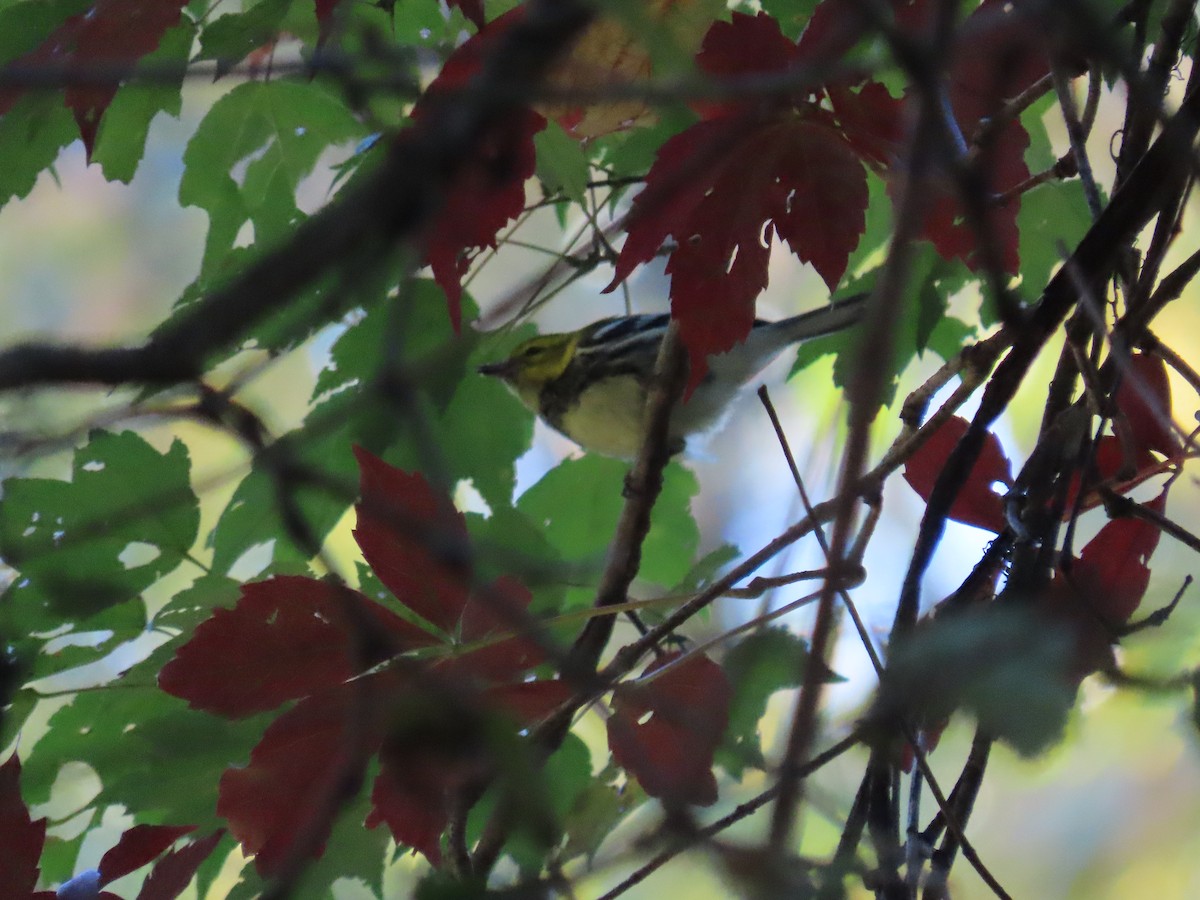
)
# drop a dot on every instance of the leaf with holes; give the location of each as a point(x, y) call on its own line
point(665, 732)
point(724, 188)
point(286, 638)
point(340, 655)
point(127, 517)
point(976, 503)
point(277, 131)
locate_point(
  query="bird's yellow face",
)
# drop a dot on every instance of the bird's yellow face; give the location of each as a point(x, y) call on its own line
point(534, 364)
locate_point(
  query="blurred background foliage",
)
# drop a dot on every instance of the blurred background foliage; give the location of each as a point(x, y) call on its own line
point(1107, 813)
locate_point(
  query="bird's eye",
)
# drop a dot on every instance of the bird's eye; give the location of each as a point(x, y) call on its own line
point(530, 352)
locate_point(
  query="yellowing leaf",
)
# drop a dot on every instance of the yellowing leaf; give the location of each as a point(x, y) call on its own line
point(613, 52)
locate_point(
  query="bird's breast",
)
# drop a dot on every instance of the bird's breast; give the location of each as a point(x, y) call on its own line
point(607, 418)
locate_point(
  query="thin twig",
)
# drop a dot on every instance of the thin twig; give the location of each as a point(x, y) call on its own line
point(742, 811)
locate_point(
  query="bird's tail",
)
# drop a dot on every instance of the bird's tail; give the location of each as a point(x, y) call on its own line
point(768, 340)
point(836, 316)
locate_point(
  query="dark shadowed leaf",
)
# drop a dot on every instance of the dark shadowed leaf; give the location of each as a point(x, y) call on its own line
point(286, 638)
point(414, 540)
point(666, 731)
point(295, 638)
point(1009, 668)
point(765, 662)
point(1112, 571)
point(415, 809)
point(744, 45)
point(174, 872)
point(126, 517)
point(724, 188)
point(137, 847)
point(314, 752)
point(530, 701)
point(489, 190)
point(277, 129)
point(1145, 400)
point(1116, 467)
point(231, 38)
point(20, 836)
point(976, 502)
point(1001, 53)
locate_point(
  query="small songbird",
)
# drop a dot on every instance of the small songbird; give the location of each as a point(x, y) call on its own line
point(591, 384)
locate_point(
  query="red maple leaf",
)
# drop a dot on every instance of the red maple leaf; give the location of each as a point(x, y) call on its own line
point(137, 847)
point(871, 120)
point(411, 795)
point(398, 519)
point(1114, 468)
point(109, 33)
point(489, 190)
point(174, 872)
point(324, 11)
point(745, 45)
point(1105, 587)
point(286, 638)
point(834, 27)
point(20, 836)
point(471, 9)
point(1144, 399)
point(294, 638)
point(666, 731)
point(976, 503)
point(1143, 429)
point(307, 754)
point(724, 187)
point(1112, 570)
point(999, 52)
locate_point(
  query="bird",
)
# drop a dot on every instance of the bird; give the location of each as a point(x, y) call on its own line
point(591, 384)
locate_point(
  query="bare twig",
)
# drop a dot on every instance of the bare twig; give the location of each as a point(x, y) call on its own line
point(742, 811)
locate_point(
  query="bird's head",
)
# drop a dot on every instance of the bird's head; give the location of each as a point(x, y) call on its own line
point(534, 364)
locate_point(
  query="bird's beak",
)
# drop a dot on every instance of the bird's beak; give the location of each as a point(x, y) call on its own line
point(503, 369)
